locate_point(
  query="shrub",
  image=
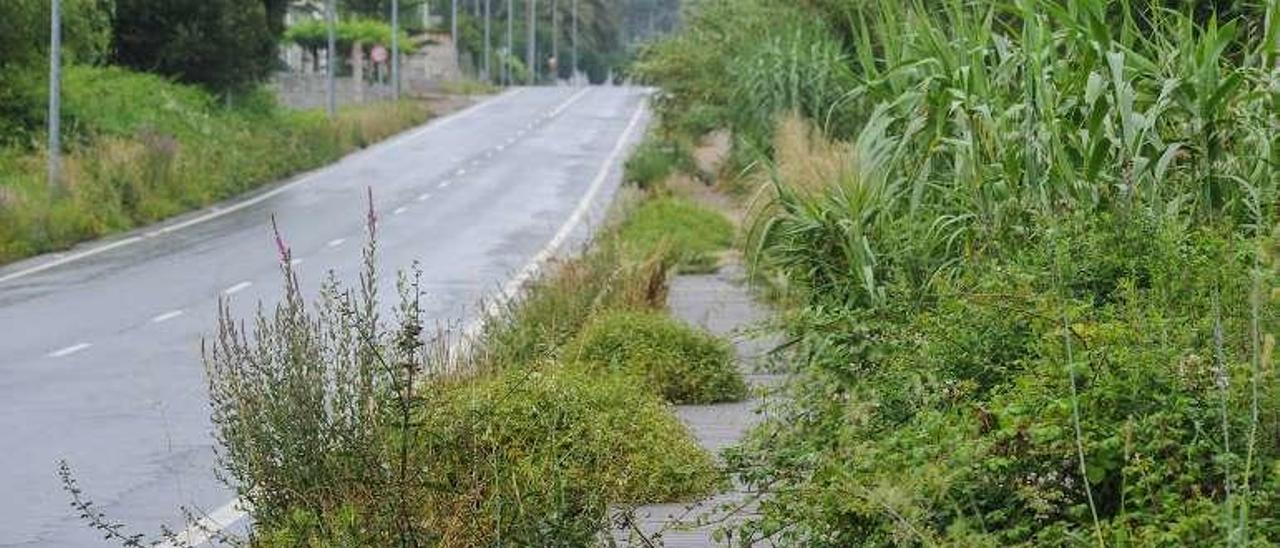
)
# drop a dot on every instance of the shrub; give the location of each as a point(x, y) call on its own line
point(693, 233)
point(340, 430)
point(536, 455)
point(655, 160)
point(685, 365)
point(554, 308)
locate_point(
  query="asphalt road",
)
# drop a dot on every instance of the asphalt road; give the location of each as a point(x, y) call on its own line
point(99, 347)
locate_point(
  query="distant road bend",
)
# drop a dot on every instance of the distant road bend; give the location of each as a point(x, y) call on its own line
point(99, 347)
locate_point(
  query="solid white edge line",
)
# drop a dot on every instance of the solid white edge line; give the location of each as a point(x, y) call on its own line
point(64, 352)
point(513, 286)
point(217, 211)
point(232, 512)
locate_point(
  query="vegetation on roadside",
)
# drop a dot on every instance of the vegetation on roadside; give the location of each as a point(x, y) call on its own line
point(694, 234)
point(1026, 255)
point(341, 429)
point(683, 364)
point(144, 149)
point(343, 425)
point(655, 160)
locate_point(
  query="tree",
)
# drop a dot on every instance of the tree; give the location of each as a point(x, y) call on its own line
point(223, 45)
point(24, 51)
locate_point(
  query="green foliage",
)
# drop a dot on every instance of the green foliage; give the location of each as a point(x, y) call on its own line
point(340, 430)
point(1030, 249)
point(554, 308)
point(145, 149)
point(655, 160)
point(694, 234)
point(24, 32)
point(314, 35)
point(224, 45)
point(960, 417)
point(683, 364)
point(551, 448)
point(24, 57)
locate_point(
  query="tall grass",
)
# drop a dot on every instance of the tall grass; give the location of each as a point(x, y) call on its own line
point(918, 158)
point(144, 149)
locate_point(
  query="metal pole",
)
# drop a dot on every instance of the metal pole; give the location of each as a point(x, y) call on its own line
point(488, 40)
point(511, 45)
point(533, 42)
point(453, 34)
point(574, 72)
point(331, 95)
point(555, 37)
point(55, 91)
point(395, 49)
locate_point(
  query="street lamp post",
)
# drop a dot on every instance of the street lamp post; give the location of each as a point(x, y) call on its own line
point(395, 49)
point(331, 96)
point(574, 72)
point(533, 42)
point(453, 33)
point(55, 91)
point(511, 25)
point(488, 40)
point(555, 38)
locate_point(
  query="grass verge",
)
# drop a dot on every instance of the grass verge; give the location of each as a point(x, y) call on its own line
point(142, 149)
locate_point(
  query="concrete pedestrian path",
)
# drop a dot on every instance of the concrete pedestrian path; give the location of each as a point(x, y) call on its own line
point(722, 304)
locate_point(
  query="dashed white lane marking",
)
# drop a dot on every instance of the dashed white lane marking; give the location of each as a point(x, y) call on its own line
point(502, 148)
point(237, 288)
point(337, 242)
point(295, 262)
point(424, 197)
point(444, 184)
point(166, 316)
point(69, 350)
point(461, 172)
point(400, 211)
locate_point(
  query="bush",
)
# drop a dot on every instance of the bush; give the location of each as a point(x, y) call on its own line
point(693, 233)
point(554, 308)
point(686, 366)
point(655, 160)
point(340, 430)
point(535, 456)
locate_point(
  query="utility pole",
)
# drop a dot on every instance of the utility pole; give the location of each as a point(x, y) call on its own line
point(331, 96)
point(511, 45)
point(55, 91)
point(533, 42)
point(488, 41)
point(574, 73)
point(395, 49)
